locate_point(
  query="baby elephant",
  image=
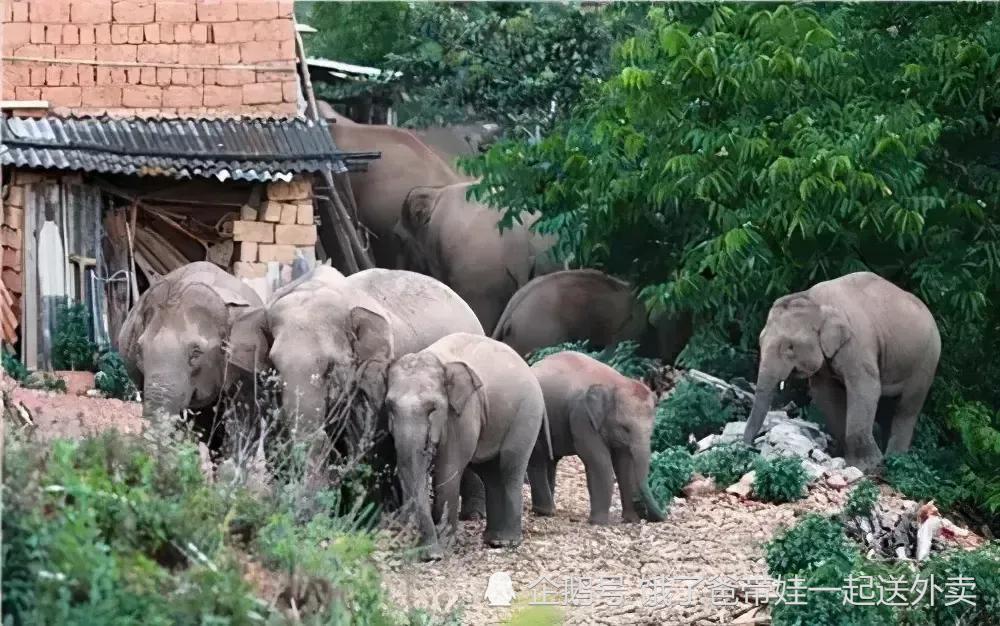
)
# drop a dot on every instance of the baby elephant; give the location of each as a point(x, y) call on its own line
point(466, 400)
point(606, 419)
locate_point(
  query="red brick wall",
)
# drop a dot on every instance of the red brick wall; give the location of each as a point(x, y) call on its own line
point(160, 38)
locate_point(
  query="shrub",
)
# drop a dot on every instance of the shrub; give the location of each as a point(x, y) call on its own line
point(13, 366)
point(669, 471)
point(782, 479)
point(622, 357)
point(814, 542)
point(726, 464)
point(862, 499)
point(912, 475)
point(72, 348)
point(44, 381)
point(112, 377)
point(983, 567)
point(709, 352)
point(691, 409)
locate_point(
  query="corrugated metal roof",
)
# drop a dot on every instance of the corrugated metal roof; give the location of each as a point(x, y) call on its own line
point(239, 149)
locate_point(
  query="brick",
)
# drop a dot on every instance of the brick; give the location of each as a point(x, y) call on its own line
point(52, 75)
point(304, 213)
point(298, 189)
point(12, 280)
point(176, 12)
point(142, 97)
point(102, 34)
point(242, 269)
point(289, 213)
point(163, 76)
point(286, 8)
point(248, 213)
point(209, 78)
point(166, 33)
point(258, 9)
point(262, 93)
point(147, 76)
point(232, 32)
point(273, 76)
point(15, 34)
point(259, 51)
point(82, 52)
point(133, 75)
point(198, 54)
point(87, 35)
point(36, 33)
point(103, 96)
point(246, 251)
point(70, 34)
point(297, 235)
point(17, 75)
point(287, 50)
point(119, 33)
point(14, 217)
point(49, 12)
point(12, 259)
point(62, 96)
point(216, 96)
point(271, 212)
point(217, 11)
point(120, 52)
point(274, 30)
point(183, 96)
point(276, 252)
point(11, 237)
point(8, 92)
point(290, 91)
point(229, 54)
point(90, 11)
point(37, 76)
point(69, 76)
point(19, 11)
point(261, 232)
point(156, 53)
point(199, 33)
point(234, 77)
point(182, 33)
point(53, 34)
point(136, 34)
point(87, 75)
point(133, 12)
point(151, 33)
point(15, 197)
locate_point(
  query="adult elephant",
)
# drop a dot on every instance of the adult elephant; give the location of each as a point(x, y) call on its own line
point(858, 339)
point(443, 234)
point(173, 340)
point(587, 305)
point(328, 333)
point(380, 190)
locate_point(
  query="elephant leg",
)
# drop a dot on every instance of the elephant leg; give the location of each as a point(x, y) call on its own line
point(860, 449)
point(831, 398)
point(542, 492)
point(600, 482)
point(447, 482)
point(503, 503)
point(625, 474)
point(904, 420)
point(473, 496)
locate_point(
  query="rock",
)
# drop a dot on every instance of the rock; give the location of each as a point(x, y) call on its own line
point(814, 470)
point(707, 443)
point(836, 463)
point(731, 433)
point(819, 456)
point(836, 481)
point(744, 487)
point(700, 486)
point(925, 534)
point(852, 474)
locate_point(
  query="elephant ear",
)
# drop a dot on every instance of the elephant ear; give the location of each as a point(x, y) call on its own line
point(371, 337)
point(465, 391)
point(834, 332)
point(250, 340)
point(418, 207)
point(230, 297)
point(597, 403)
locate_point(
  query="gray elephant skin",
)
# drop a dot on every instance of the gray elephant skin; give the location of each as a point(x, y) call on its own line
point(859, 339)
point(606, 419)
point(465, 401)
point(443, 234)
point(587, 305)
point(173, 340)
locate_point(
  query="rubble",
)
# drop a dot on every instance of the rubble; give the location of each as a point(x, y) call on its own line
point(700, 486)
point(744, 486)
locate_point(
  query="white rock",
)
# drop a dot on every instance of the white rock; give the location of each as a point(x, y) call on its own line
point(836, 463)
point(813, 470)
point(852, 474)
point(925, 534)
point(731, 433)
point(707, 443)
point(744, 486)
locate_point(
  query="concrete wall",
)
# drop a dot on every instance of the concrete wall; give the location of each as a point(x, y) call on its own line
point(141, 56)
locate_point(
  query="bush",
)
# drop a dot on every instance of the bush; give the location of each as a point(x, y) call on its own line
point(913, 476)
point(72, 348)
point(44, 381)
point(669, 471)
point(782, 479)
point(982, 566)
point(862, 499)
point(691, 409)
point(622, 357)
point(709, 352)
point(112, 377)
point(13, 366)
point(814, 542)
point(726, 464)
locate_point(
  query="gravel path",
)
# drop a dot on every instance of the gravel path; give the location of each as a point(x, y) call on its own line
point(713, 540)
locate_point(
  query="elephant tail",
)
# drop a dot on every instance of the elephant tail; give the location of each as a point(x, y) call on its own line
point(548, 434)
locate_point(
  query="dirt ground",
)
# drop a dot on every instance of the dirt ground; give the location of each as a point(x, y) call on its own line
point(65, 415)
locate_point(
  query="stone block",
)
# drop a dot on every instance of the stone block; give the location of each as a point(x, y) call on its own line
point(247, 251)
point(276, 252)
point(298, 189)
point(271, 211)
point(242, 269)
point(248, 213)
point(297, 235)
point(261, 232)
point(289, 213)
point(304, 212)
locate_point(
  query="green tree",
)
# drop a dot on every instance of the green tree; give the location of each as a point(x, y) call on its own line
point(355, 32)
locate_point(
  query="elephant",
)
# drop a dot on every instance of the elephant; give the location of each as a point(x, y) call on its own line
point(327, 333)
point(859, 340)
point(379, 191)
point(442, 234)
point(173, 340)
point(607, 420)
point(586, 304)
point(464, 401)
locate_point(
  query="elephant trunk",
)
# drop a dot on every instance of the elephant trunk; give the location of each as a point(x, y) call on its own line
point(304, 405)
point(163, 398)
point(768, 378)
point(413, 471)
point(648, 506)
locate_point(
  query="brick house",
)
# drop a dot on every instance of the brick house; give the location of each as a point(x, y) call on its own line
point(139, 135)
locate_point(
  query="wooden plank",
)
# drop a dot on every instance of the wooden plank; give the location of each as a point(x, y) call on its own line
point(29, 299)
